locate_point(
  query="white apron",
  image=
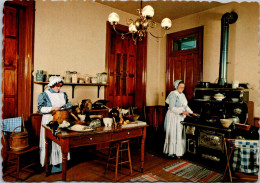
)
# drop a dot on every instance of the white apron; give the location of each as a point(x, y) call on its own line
point(57, 100)
point(175, 139)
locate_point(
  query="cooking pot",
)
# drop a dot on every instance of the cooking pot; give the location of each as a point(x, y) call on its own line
point(204, 84)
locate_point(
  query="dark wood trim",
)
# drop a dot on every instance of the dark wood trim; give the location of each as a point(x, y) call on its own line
point(107, 69)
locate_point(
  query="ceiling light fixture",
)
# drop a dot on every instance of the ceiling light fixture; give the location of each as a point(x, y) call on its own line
point(141, 26)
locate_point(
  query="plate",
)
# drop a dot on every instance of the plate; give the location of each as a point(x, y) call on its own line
point(80, 129)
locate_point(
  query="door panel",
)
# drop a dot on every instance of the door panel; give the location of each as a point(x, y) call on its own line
point(10, 58)
point(10, 21)
point(184, 64)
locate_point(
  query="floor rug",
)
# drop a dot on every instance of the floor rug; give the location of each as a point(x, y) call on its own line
point(193, 172)
point(149, 177)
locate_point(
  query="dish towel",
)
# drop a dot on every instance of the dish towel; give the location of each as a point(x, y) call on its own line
point(246, 156)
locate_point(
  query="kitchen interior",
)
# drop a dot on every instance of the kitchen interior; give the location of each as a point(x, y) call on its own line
point(125, 79)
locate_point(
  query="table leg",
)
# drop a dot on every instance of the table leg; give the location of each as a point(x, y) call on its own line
point(142, 149)
point(64, 165)
point(47, 142)
point(65, 151)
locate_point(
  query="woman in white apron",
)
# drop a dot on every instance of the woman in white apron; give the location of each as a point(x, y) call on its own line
point(50, 100)
point(178, 109)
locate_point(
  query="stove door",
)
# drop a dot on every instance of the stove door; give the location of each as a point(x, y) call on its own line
point(211, 139)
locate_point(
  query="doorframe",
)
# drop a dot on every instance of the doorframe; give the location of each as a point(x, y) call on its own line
point(141, 60)
point(25, 103)
point(199, 49)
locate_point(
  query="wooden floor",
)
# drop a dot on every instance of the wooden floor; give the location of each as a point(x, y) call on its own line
point(90, 166)
point(87, 164)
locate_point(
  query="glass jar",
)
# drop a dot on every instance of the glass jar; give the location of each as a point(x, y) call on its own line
point(104, 77)
point(39, 75)
point(99, 77)
point(74, 77)
point(67, 78)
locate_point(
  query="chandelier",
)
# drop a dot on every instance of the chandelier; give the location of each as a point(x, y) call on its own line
point(142, 25)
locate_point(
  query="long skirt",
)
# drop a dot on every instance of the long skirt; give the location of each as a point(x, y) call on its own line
point(56, 154)
point(175, 138)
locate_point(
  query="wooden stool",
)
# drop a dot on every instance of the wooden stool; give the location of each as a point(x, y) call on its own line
point(119, 147)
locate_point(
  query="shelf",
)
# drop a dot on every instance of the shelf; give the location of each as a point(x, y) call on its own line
point(73, 85)
point(204, 100)
point(223, 89)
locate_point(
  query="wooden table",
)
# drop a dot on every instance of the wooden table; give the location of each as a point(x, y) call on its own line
point(70, 139)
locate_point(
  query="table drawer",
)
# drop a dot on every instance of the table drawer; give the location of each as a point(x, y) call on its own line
point(90, 139)
point(127, 134)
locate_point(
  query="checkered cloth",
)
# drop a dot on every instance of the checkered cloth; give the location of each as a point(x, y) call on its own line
point(8, 125)
point(246, 156)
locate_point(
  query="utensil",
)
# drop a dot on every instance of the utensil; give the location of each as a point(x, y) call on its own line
point(235, 99)
point(108, 122)
point(82, 117)
point(219, 96)
point(206, 97)
point(226, 122)
point(235, 119)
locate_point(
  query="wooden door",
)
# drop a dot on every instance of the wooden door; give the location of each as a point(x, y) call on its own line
point(184, 64)
point(126, 67)
point(122, 71)
point(17, 58)
point(10, 57)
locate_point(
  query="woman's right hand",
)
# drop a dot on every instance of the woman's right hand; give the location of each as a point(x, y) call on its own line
point(185, 113)
point(55, 108)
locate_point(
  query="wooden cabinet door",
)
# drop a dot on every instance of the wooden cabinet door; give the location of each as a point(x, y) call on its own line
point(122, 71)
point(10, 44)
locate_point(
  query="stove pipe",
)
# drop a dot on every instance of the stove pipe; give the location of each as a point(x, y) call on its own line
point(227, 18)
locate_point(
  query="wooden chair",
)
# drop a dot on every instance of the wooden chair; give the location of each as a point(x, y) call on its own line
point(13, 157)
point(119, 147)
point(242, 159)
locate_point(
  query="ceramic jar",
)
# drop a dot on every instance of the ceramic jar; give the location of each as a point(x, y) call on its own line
point(39, 75)
point(87, 78)
point(93, 79)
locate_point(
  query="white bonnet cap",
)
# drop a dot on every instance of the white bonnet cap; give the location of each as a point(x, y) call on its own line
point(176, 83)
point(54, 80)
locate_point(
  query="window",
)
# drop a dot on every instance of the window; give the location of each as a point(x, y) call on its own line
point(185, 43)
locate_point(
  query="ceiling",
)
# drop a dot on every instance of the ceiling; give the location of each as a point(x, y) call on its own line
point(166, 8)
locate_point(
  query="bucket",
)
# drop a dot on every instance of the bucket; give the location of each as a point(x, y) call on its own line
point(19, 140)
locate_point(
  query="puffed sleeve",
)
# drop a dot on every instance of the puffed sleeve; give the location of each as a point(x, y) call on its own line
point(172, 104)
point(43, 104)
